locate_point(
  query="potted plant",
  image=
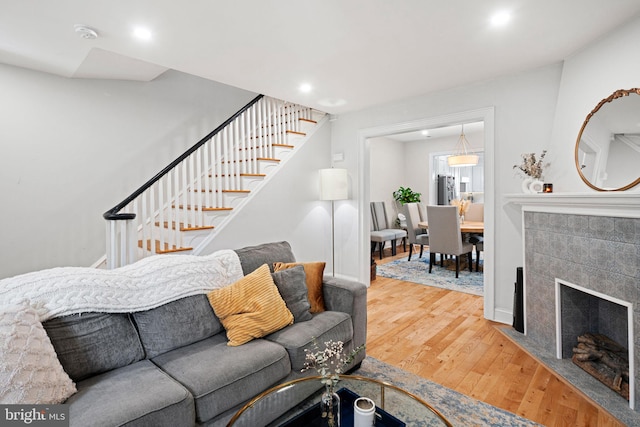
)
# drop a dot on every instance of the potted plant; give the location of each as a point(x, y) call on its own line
point(406, 195)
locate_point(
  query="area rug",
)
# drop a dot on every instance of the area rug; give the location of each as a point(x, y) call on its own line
point(417, 271)
point(459, 409)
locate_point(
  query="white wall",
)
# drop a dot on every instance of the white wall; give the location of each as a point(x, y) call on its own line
point(588, 77)
point(388, 163)
point(70, 149)
point(524, 110)
point(288, 208)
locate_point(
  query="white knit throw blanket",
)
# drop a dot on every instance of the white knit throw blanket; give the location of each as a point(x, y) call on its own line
point(146, 284)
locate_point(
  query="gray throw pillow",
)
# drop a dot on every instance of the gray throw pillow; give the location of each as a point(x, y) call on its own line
point(253, 257)
point(92, 343)
point(292, 286)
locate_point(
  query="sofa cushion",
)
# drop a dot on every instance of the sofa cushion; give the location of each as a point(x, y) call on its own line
point(253, 257)
point(136, 395)
point(91, 343)
point(250, 308)
point(314, 272)
point(292, 286)
point(30, 372)
point(176, 324)
point(325, 326)
point(221, 377)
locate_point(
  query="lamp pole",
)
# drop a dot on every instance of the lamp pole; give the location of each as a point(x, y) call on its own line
point(333, 186)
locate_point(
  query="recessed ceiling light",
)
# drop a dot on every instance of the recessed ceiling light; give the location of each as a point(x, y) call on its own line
point(425, 133)
point(142, 33)
point(332, 102)
point(305, 88)
point(501, 18)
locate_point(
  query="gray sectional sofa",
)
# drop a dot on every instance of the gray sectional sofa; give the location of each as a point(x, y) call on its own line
point(171, 365)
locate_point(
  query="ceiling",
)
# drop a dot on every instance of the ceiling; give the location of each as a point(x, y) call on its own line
point(438, 132)
point(354, 53)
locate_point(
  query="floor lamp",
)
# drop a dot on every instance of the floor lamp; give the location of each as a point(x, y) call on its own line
point(333, 186)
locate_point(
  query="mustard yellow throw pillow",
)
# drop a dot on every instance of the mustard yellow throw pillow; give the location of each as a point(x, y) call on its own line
point(251, 307)
point(313, 272)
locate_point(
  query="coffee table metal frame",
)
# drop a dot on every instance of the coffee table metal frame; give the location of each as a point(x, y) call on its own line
point(382, 384)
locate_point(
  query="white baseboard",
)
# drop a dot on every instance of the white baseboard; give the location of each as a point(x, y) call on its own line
point(503, 316)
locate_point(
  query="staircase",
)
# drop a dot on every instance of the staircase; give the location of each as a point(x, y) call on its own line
point(180, 209)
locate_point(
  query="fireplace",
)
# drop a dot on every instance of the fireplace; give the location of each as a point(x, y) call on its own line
point(589, 243)
point(604, 324)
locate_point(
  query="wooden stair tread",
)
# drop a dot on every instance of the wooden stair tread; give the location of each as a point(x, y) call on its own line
point(189, 227)
point(274, 144)
point(202, 190)
point(254, 175)
point(288, 131)
point(204, 209)
point(287, 122)
point(248, 160)
point(166, 249)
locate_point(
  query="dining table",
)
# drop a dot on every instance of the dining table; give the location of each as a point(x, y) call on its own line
point(476, 227)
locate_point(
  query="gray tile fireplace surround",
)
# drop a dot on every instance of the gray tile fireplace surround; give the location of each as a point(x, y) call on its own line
point(599, 253)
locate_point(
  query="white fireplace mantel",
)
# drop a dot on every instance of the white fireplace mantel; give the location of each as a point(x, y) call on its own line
point(612, 204)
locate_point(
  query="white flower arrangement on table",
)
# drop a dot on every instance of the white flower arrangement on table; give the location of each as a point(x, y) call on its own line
point(531, 166)
point(330, 362)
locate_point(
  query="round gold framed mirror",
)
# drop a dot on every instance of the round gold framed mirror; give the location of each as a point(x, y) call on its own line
point(607, 152)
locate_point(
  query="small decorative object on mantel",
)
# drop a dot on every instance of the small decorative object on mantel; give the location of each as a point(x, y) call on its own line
point(329, 364)
point(547, 188)
point(533, 169)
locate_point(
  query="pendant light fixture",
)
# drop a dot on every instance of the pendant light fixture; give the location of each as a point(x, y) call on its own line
point(461, 156)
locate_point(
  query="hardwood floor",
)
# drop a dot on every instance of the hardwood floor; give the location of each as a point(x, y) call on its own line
point(442, 336)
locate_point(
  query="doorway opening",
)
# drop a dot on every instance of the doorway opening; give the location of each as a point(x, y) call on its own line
point(485, 115)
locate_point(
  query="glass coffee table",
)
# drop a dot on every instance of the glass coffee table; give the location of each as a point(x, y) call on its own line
point(395, 407)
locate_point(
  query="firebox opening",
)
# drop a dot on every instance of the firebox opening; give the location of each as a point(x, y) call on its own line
point(594, 330)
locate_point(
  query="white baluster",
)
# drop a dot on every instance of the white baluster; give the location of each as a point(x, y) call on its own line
point(160, 216)
point(192, 202)
point(144, 214)
point(219, 169)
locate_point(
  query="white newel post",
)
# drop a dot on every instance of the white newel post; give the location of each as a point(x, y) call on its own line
point(121, 243)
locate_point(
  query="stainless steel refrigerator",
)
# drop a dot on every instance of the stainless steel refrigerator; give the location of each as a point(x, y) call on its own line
point(446, 189)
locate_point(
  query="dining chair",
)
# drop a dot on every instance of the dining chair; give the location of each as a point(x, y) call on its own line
point(479, 248)
point(379, 237)
point(415, 235)
point(445, 237)
point(381, 224)
point(475, 212)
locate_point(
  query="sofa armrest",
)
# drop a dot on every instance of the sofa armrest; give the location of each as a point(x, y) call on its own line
point(348, 297)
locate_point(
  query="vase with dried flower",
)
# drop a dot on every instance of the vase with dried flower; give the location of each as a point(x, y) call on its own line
point(329, 363)
point(463, 206)
point(532, 168)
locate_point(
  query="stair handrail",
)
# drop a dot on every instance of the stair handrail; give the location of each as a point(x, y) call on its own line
point(113, 213)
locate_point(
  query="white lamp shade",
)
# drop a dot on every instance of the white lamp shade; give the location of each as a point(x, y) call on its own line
point(462, 160)
point(333, 184)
